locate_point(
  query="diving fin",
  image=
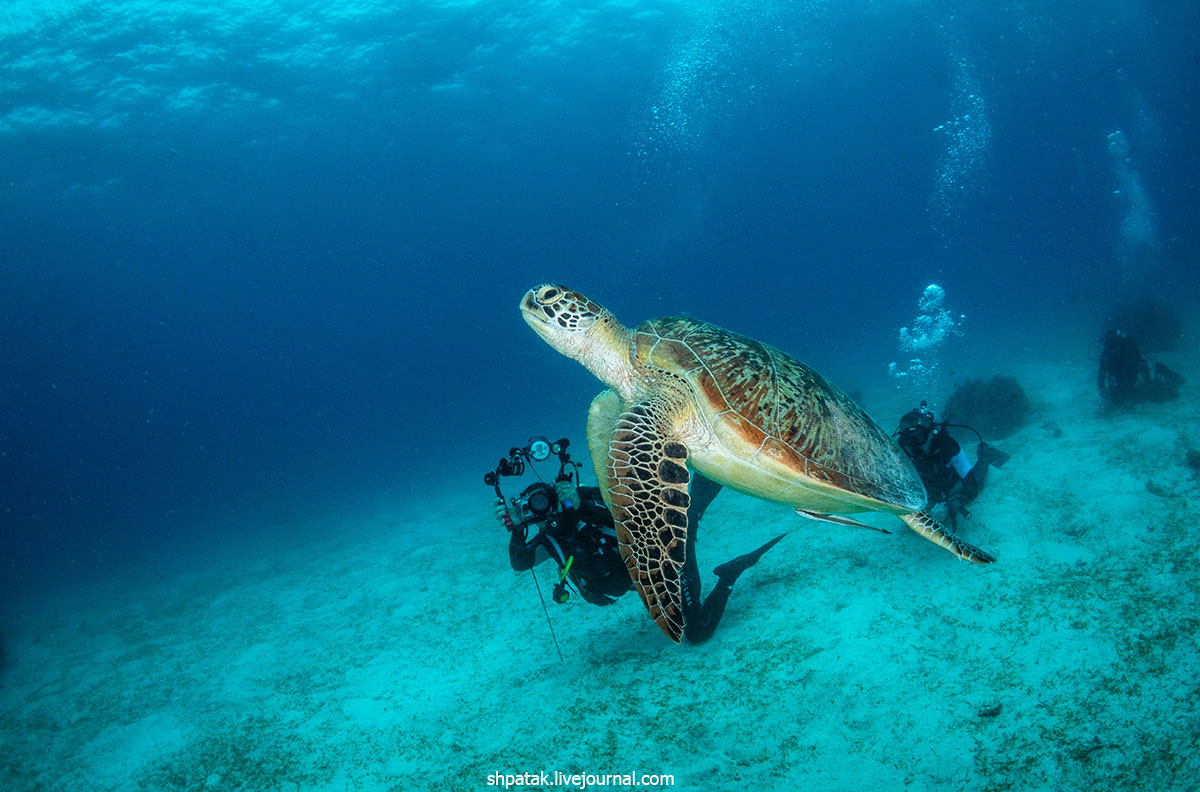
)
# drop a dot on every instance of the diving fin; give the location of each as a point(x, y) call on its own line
point(728, 572)
point(990, 455)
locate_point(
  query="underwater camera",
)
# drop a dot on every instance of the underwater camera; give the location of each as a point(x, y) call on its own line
point(539, 499)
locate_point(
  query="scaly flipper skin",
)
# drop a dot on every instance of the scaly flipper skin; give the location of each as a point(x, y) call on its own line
point(932, 530)
point(648, 482)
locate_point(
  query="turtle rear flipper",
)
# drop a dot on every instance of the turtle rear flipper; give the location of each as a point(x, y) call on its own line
point(933, 530)
point(647, 493)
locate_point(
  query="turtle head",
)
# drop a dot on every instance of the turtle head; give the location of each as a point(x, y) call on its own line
point(580, 329)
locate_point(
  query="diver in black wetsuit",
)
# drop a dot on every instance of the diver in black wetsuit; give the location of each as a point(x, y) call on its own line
point(947, 473)
point(574, 527)
point(1126, 377)
point(700, 619)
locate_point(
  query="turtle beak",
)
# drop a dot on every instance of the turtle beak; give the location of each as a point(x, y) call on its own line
point(529, 303)
point(535, 316)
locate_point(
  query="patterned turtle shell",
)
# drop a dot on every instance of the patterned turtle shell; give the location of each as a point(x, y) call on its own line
point(760, 400)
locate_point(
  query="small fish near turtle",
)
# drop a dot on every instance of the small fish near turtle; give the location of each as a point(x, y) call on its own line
point(686, 395)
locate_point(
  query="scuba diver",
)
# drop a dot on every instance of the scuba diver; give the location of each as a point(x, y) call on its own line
point(572, 525)
point(1126, 377)
point(947, 473)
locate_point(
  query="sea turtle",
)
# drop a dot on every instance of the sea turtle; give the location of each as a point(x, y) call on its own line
point(686, 394)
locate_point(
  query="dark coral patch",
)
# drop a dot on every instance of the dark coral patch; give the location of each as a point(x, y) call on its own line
point(995, 407)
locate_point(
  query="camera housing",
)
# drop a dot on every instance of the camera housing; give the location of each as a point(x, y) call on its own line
point(536, 503)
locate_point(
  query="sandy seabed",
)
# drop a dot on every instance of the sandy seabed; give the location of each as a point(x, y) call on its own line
point(400, 652)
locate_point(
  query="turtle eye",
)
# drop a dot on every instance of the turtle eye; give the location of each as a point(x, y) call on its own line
point(549, 294)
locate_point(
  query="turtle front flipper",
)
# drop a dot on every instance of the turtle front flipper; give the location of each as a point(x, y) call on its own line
point(648, 495)
point(602, 418)
point(933, 530)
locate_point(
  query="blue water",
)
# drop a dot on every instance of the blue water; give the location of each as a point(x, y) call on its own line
point(259, 259)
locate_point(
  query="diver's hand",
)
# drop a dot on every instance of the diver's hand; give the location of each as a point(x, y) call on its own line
point(499, 511)
point(567, 491)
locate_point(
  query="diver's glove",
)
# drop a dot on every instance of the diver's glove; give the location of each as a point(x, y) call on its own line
point(568, 494)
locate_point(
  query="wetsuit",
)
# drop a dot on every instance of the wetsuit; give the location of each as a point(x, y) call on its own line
point(1122, 369)
point(947, 473)
point(700, 618)
point(1126, 377)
